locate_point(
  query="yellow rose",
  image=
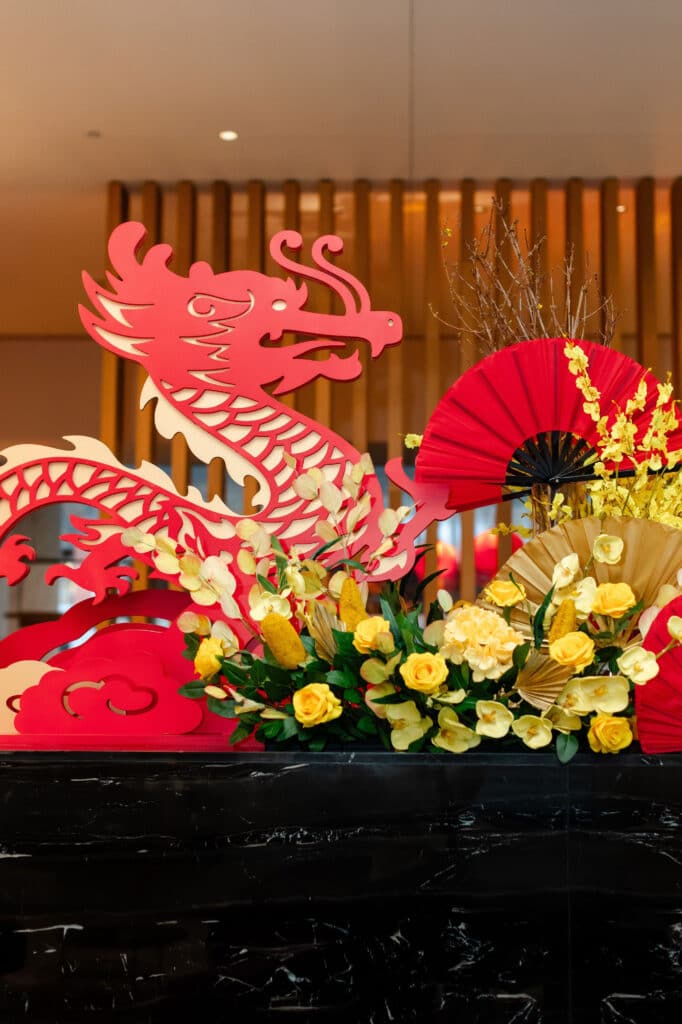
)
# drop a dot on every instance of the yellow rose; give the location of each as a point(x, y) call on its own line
point(576, 650)
point(505, 593)
point(424, 672)
point(613, 599)
point(608, 735)
point(371, 635)
point(316, 704)
point(206, 660)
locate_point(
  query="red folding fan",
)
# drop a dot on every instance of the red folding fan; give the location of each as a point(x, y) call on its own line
point(516, 418)
point(658, 704)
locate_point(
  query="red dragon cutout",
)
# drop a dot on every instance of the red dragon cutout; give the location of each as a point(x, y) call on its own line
point(211, 345)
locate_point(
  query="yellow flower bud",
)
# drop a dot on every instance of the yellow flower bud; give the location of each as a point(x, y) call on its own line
point(352, 609)
point(564, 621)
point(283, 640)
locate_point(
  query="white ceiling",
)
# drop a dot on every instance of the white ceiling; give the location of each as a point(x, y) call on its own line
point(338, 88)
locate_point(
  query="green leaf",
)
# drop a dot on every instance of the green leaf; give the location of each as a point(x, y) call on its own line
point(353, 696)
point(194, 690)
point(275, 544)
point(425, 582)
point(539, 620)
point(325, 547)
point(368, 725)
point(344, 644)
point(224, 708)
point(391, 698)
point(520, 654)
point(242, 732)
point(566, 746)
point(289, 728)
point(317, 743)
point(266, 584)
point(337, 677)
point(349, 563)
point(234, 674)
point(388, 613)
point(272, 729)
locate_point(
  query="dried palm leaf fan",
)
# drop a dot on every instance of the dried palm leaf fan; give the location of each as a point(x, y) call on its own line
point(658, 704)
point(516, 420)
point(533, 566)
point(652, 555)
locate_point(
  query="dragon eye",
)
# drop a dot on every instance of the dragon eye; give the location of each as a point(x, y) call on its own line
point(200, 305)
point(279, 304)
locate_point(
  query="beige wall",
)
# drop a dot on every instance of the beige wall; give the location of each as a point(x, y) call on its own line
point(49, 370)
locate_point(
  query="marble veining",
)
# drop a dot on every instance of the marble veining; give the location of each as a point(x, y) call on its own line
point(363, 888)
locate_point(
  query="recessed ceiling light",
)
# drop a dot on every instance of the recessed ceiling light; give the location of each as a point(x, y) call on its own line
point(228, 136)
point(621, 208)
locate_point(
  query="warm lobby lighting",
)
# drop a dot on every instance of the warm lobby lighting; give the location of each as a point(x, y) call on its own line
point(228, 136)
point(621, 208)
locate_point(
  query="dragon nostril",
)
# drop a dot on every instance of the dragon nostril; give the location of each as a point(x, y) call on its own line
point(391, 321)
point(279, 304)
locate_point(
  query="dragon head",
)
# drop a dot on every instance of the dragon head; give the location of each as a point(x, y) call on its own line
point(209, 328)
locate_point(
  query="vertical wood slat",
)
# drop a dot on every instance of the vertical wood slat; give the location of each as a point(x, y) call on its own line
point(111, 395)
point(575, 235)
point(432, 346)
point(221, 199)
point(610, 251)
point(361, 269)
point(184, 255)
point(255, 257)
point(395, 419)
point(676, 274)
point(291, 192)
point(539, 237)
point(647, 341)
point(503, 252)
point(322, 387)
point(467, 564)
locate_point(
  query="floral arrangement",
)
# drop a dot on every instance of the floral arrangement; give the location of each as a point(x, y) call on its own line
point(311, 656)
point(321, 668)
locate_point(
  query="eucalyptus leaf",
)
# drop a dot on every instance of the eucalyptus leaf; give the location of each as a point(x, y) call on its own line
point(566, 747)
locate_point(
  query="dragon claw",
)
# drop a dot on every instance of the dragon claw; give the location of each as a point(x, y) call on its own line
point(15, 558)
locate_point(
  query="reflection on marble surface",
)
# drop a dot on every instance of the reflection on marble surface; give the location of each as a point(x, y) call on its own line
point(364, 888)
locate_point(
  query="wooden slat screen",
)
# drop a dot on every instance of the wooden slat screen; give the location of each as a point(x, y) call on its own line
point(395, 246)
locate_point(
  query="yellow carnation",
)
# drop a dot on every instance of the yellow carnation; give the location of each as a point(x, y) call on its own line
point(575, 650)
point(608, 735)
point(505, 593)
point(371, 635)
point(613, 599)
point(482, 639)
point(315, 704)
point(424, 672)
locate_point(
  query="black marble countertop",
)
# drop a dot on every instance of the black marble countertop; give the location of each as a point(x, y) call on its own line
point(355, 887)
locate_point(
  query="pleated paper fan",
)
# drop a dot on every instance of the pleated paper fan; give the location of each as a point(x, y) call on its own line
point(516, 418)
point(658, 704)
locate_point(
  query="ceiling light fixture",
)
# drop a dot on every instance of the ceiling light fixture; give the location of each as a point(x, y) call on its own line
point(621, 208)
point(228, 136)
